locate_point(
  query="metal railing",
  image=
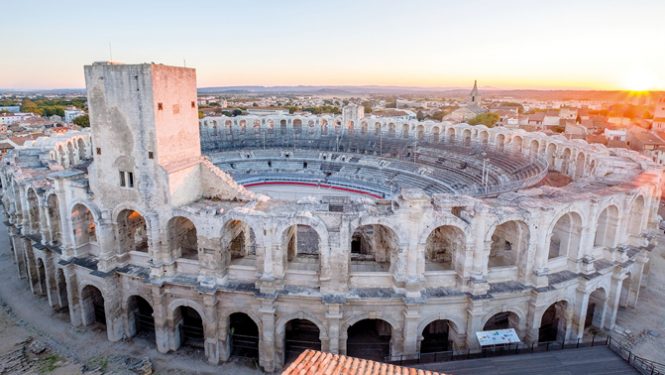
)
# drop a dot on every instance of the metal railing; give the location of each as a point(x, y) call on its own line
point(641, 364)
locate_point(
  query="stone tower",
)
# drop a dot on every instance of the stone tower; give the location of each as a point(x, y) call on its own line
point(474, 95)
point(659, 115)
point(144, 121)
point(352, 114)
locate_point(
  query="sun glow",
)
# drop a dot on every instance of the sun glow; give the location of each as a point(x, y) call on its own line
point(638, 81)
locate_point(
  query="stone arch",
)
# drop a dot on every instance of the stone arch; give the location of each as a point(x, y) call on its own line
point(517, 144)
point(81, 149)
point(436, 134)
point(41, 277)
point(140, 317)
point(132, 231)
point(301, 244)
point(405, 130)
point(553, 322)
point(299, 335)
point(182, 237)
point(369, 339)
point(607, 226)
point(244, 335)
point(596, 308)
point(420, 132)
point(71, 154)
point(466, 137)
point(188, 326)
point(391, 129)
point(443, 246)
point(84, 225)
point(377, 128)
point(502, 320)
point(500, 141)
point(437, 336)
point(61, 287)
point(636, 216)
point(374, 247)
point(238, 241)
point(450, 134)
point(92, 305)
point(509, 240)
point(484, 136)
point(565, 160)
point(534, 146)
point(551, 156)
point(579, 165)
point(565, 236)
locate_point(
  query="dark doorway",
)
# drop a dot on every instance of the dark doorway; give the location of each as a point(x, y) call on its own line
point(191, 327)
point(436, 337)
point(142, 314)
point(369, 339)
point(62, 290)
point(93, 299)
point(299, 335)
point(244, 336)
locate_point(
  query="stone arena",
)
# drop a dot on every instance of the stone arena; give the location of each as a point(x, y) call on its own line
point(388, 238)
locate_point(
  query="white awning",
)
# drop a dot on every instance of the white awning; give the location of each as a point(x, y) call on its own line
point(498, 337)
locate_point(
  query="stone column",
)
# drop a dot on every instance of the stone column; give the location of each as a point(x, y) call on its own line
point(334, 317)
point(66, 231)
point(44, 223)
point(73, 298)
point(534, 316)
point(105, 241)
point(411, 335)
point(613, 301)
point(163, 335)
point(19, 251)
point(474, 324)
point(113, 310)
point(267, 358)
point(211, 335)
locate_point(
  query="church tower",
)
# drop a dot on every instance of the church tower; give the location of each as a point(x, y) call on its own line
point(659, 115)
point(145, 129)
point(474, 96)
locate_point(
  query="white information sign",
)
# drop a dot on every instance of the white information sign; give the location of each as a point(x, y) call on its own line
point(497, 337)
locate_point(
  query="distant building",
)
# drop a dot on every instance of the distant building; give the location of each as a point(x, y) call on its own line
point(471, 109)
point(267, 111)
point(659, 115)
point(71, 114)
point(13, 118)
point(566, 113)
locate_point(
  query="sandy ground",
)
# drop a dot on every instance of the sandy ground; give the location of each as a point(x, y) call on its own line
point(645, 324)
point(24, 315)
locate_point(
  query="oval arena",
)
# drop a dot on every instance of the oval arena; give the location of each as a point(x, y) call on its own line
point(395, 238)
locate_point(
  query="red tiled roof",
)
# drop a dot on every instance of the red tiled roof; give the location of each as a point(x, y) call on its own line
point(313, 362)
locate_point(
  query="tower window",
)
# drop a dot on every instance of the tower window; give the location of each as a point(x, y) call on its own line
point(160, 106)
point(150, 155)
point(126, 179)
point(193, 104)
point(99, 150)
point(122, 179)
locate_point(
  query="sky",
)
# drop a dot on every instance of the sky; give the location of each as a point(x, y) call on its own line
point(507, 44)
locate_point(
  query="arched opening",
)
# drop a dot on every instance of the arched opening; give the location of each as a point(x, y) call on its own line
point(551, 156)
point(502, 320)
point(244, 334)
point(297, 126)
point(81, 149)
point(553, 323)
point(238, 242)
point(450, 134)
point(189, 327)
point(372, 247)
point(509, 240)
point(420, 133)
point(363, 128)
point(53, 212)
point(33, 211)
point(377, 129)
point(132, 231)
point(517, 144)
point(435, 134)
point(405, 130)
point(61, 285)
point(369, 339)
point(71, 156)
point(595, 313)
point(437, 337)
point(300, 335)
point(466, 135)
point(302, 245)
point(565, 162)
point(140, 316)
point(442, 246)
point(92, 305)
point(41, 276)
point(500, 142)
point(628, 297)
point(391, 129)
point(484, 138)
point(636, 214)
point(607, 226)
point(579, 165)
point(533, 149)
point(83, 225)
point(182, 238)
point(565, 237)
point(17, 201)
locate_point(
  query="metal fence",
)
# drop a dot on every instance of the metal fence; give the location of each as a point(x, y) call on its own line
point(643, 365)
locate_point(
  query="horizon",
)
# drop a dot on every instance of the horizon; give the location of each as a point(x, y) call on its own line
point(597, 45)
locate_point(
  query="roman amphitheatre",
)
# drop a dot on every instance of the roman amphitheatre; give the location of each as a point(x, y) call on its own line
point(261, 236)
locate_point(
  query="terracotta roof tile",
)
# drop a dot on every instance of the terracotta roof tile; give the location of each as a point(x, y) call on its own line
point(313, 362)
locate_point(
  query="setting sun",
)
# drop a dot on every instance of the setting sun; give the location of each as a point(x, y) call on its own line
point(638, 81)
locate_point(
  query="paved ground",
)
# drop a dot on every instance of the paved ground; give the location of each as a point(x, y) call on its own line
point(589, 361)
point(645, 324)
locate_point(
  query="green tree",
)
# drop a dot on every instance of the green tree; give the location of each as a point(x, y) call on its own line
point(488, 119)
point(82, 121)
